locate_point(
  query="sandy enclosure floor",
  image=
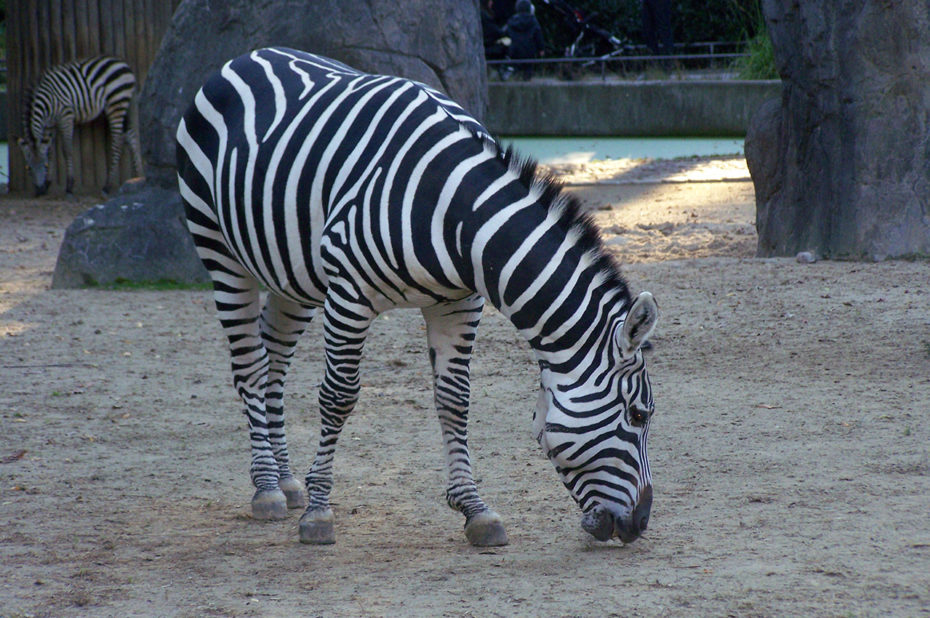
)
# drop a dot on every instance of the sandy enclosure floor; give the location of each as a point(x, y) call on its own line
point(791, 446)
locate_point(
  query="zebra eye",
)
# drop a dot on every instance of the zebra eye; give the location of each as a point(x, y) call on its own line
point(639, 416)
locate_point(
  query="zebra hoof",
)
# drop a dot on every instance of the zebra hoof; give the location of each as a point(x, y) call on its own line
point(294, 492)
point(316, 527)
point(269, 504)
point(485, 530)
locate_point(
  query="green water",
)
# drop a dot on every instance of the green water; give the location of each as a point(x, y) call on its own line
point(553, 150)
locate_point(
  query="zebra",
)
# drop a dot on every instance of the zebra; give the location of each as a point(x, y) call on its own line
point(77, 93)
point(355, 193)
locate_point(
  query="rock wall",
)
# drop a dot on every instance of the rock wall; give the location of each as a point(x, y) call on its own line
point(842, 165)
point(437, 42)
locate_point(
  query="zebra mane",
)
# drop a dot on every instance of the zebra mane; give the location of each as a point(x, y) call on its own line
point(550, 192)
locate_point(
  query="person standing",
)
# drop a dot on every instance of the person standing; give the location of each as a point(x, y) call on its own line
point(526, 38)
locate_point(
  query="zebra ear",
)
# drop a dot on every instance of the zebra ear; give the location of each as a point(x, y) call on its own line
point(638, 325)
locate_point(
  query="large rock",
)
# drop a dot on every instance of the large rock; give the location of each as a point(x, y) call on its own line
point(138, 236)
point(437, 42)
point(842, 165)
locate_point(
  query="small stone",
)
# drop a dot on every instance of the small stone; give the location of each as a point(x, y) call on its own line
point(805, 257)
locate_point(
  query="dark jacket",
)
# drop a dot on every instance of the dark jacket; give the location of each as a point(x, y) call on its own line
point(526, 39)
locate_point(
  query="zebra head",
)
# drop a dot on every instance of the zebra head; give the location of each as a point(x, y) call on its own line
point(36, 144)
point(36, 157)
point(593, 428)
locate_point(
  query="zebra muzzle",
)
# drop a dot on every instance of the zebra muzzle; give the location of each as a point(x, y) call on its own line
point(598, 522)
point(604, 524)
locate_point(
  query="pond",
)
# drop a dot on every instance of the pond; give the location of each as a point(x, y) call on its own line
point(561, 150)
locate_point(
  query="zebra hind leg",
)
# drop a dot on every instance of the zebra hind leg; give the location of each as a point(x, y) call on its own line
point(132, 137)
point(238, 304)
point(116, 149)
point(282, 323)
point(345, 327)
point(451, 329)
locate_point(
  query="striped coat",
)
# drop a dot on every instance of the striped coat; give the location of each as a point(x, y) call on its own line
point(356, 193)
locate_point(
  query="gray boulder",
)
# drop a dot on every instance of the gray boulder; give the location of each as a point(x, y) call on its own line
point(841, 165)
point(437, 42)
point(138, 236)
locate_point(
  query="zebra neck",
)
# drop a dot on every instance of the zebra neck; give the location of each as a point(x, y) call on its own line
point(572, 330)
point(558, 292)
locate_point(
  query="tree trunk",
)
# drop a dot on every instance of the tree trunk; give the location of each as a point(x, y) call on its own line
point(842, 166)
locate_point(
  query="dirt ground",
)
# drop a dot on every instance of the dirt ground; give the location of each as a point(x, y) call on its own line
point(790, 449)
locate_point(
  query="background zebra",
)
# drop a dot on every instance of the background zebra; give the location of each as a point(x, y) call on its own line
point(360, 193)
point(77, 93)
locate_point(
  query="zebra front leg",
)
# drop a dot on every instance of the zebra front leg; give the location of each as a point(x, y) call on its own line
point(282, 323)
point(238, 305)
point(345, 327)
point(451, 329)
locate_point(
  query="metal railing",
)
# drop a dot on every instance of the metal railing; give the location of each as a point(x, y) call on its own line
point(631, 57)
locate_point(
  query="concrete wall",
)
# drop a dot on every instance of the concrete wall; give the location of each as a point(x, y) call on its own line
point(653, 108)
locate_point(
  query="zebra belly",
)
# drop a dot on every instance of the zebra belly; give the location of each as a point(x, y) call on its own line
point(84, 116)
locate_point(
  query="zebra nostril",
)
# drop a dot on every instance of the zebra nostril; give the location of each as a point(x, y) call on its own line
point(643, 522)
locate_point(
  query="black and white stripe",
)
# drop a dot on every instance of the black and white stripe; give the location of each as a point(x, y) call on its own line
point(77, 93)
point(359, 193)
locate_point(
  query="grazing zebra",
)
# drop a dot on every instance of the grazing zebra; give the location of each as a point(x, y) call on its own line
point(77, 93)
point(359, 193)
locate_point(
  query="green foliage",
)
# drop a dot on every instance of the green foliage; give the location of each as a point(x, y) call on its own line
point(716, 20)
point(761, 61)
point(3, 39)
point(693, 21)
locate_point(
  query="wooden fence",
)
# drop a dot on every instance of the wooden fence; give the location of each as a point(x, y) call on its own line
point(43, 33)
